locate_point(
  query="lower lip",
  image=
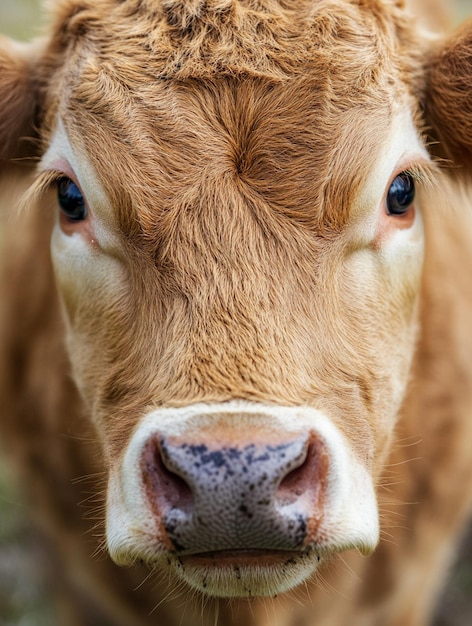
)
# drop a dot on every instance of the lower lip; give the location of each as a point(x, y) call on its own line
point(229, 558)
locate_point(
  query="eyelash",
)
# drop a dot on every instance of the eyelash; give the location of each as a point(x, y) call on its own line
point(421, 174)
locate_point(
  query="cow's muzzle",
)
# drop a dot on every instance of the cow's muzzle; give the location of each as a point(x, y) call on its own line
point(256, 492)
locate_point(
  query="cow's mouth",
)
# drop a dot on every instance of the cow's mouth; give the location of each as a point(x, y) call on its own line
point(246, 573)
point(228, 558)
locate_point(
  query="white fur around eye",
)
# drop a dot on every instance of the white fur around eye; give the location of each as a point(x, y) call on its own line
point(73, 160)
point(403, 146)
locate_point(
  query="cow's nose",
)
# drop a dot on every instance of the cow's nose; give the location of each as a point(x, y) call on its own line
point(227, 497)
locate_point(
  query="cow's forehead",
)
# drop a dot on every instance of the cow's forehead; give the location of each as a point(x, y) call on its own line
point(271, 38)
point(293, 102)
point(285, 144)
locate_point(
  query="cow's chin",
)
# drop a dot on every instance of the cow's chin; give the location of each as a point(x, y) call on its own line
point(245, 574)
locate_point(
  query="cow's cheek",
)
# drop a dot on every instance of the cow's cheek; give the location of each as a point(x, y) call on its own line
point(91, 284)
point(381, 286)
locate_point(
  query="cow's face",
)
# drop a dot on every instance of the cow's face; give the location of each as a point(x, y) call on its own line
point(244, 363)
point(239, 258)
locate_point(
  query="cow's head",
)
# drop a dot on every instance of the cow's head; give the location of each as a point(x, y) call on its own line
point(238, 247)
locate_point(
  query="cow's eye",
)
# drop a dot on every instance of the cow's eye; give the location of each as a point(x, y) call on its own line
point(71, 200)
point(401, 194)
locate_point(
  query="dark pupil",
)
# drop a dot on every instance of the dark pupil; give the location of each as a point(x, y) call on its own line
point(71, 200)
point(401, 194)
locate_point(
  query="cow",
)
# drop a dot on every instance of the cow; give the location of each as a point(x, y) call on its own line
point(235, 323)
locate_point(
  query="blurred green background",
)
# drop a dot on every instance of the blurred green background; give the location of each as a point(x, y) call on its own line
point(23, 599)
point(20, 18)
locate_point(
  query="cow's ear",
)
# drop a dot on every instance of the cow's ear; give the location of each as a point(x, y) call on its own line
point(18, 98)
point(448, 99)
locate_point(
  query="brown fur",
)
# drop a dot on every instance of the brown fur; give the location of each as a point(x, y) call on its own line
point(202, 173)
point(18, 89)
point(448, 104)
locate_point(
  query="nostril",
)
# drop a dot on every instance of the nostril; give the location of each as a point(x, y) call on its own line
point(308, 478)
point(164, 488)
point(294, 483)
